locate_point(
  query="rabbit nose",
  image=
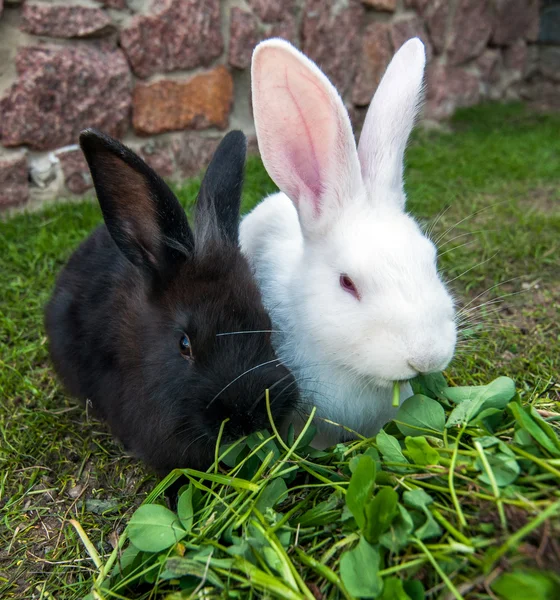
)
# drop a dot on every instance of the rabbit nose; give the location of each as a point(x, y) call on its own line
point(429, 362)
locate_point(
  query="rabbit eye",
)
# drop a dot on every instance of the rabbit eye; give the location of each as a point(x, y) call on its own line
point(348, 285)
point(185, 346)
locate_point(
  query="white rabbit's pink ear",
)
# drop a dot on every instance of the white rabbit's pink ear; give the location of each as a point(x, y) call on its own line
point(389, 121)
point(304, 133)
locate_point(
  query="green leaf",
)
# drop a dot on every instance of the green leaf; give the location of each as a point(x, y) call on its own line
point(414, 589)
point(178, 567)
point(430, 528)
point(429, 384)
point(417, 499)
point(397, 537)
point(359, 570)
point(307, 437)
point(544, 436)
point(380, 512)
point(421, 452)
point(153, 528)
point(360, 488)
point(321, 514)
point(185, 508)
point(393, 589)
point(472, 400)
point(536, 585)
point(420, 500)
point(272, 494)
point(420, 414)
point(390, 449)
point(505, 469)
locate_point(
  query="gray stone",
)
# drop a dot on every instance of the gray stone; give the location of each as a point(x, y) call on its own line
point(14, 184)
point(549, 62)
point(243, 37)
point(408, 27)
point(176, 34)
point(471, 29)
point(515, 19)
point(62, 90)
point(56, 20)
point(376, 55)
point(330, 38)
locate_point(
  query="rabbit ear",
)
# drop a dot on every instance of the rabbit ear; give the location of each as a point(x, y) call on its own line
point(304, 133)
point(142, 214)
point(389, 122)
point(219, 198)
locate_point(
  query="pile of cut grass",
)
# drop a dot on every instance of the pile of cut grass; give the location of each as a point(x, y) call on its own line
point(494, 184)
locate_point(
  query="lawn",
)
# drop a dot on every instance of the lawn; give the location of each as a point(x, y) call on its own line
point(481, 496)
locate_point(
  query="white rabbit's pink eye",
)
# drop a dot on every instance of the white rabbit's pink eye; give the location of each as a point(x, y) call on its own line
point(185, 346)
point(348, 285)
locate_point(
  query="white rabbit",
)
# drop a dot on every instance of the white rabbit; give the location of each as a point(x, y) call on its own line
point(349, 279)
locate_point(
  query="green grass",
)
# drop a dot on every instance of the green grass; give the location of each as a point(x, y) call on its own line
point(494, 182)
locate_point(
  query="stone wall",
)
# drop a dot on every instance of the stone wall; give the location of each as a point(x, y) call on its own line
point(170, 76)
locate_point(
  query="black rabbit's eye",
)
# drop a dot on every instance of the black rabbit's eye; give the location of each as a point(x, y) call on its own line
point(185, 345)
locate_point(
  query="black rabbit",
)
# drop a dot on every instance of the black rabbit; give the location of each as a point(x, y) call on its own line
point(159, 326)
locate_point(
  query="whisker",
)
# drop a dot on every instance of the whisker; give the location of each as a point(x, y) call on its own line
point(255, 331)
point(474, 214)
point(473, 267)
point(240, 376)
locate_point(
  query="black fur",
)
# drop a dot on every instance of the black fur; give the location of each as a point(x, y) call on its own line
point(130, 291)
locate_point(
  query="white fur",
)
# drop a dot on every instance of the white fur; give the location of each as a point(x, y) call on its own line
point(341, 211)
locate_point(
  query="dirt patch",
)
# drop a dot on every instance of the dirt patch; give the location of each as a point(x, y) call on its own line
point(545, 199)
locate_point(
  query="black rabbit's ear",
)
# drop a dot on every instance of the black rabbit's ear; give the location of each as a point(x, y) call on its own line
point(142, 214)
point(219, 198)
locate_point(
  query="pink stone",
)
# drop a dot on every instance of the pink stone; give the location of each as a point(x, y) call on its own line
point(487, 64)
point(285, 29)
point(14, 185)
point(417, 5)
point(376, 55)
point(449, 88)
point(56, 20)
point(408, 27)
point(470, 30)
point(515, 19)
point(436, 22)
point(270, 11)
point(176, 34)
point(75, 170)
point(243, 37)
point(160, 157)
point(386, 5)
point(193, 153)
point(62, 90)
point(330, 38)
point(114, 3)
point(515, 57)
